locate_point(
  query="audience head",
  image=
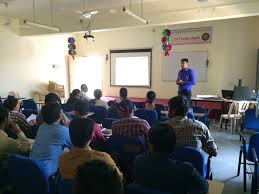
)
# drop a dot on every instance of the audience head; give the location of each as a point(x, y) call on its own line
point(123, 93)
point(12, 103)
point(162, 138)
point(98, 177)
point(184, 63)
point(84, 88)
point(81, 131)
point(98, 94)
point(51, 112)
point(82, 107)
point(51, 97)
point(151, 96)
point(125, 108)
point(75, 94)
point(178, 106)
point(4, 117)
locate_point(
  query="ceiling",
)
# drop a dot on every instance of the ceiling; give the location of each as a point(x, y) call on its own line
point(157, 12)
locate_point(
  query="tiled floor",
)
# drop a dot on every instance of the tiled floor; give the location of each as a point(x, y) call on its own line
point(224, 166)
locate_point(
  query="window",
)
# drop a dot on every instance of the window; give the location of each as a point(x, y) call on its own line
point(131, 67)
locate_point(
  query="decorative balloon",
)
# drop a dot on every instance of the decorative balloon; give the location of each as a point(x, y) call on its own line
point(71, 46)
point(166, 41)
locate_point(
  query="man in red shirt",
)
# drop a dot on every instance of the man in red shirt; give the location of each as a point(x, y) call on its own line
point(129, 125)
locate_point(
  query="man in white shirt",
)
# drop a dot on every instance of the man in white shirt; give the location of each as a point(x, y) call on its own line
point(83, 93)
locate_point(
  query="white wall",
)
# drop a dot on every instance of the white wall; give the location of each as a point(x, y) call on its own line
point(26, 62)
point(232, 55)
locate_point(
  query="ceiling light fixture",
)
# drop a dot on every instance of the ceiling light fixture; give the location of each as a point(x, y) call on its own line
point(34, 23)
point(41, 26)
point(129, 12)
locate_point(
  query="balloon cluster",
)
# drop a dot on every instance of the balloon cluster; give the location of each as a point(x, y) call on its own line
point(71, 46)
point(166, 41)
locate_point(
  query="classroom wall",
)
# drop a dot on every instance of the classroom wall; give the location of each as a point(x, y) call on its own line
point(232, 55)
point(26, 62)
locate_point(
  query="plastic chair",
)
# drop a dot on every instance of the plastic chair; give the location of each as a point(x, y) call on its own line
point(196, 158)
point(29, 112)
point(250, 120)
point(27, 176)
point(239, 108)
point(204, 118)
point(124, 150)
point(69, 115)
point(66, 186)
point(134, 188)
point(29, 104)
point(149, 115)
point(107, 122)
point(246, 151)
point(99, 114)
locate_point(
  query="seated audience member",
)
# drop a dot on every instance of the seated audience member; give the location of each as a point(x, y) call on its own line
point(157, 171)
point(150, 101)
point(51, 97)
point(74, 97)
point(7, 144)
point(189, 132)
point(81, 131)
point(129, 125)
point(51, 139)
point(123, 95)
point(98, 177)
point(81, 110)
point(83, 93)
point(13, 105)
point(97, 99)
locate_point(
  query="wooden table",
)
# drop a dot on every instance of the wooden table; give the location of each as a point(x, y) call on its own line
point(215, 187)
point(195, 114)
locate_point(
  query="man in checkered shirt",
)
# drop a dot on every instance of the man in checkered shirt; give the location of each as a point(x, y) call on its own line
point(189, 132)
point(129, 125)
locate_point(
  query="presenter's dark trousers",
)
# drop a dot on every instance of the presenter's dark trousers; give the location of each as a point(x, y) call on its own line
point(188, 94)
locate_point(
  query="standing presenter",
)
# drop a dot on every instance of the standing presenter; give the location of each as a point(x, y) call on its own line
point(186, 79)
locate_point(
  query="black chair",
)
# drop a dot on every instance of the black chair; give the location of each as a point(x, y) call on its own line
point(29, 104)
point(134, 188)
point(255, 178)
point(107, 122)
point(67, 107)
point(139, 105)
point(159, 108)
point(99, 113)
point(124, 150)
point(29, 112)
point(246, 151)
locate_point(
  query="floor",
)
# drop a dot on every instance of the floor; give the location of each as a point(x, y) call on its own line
point(224, 166)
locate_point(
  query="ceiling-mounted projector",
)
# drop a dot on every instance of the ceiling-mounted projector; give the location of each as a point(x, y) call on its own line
point(89, 36)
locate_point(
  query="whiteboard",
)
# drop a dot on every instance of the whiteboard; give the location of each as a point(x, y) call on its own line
point(197, 61)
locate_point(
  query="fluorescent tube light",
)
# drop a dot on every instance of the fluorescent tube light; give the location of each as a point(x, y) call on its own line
point(41, 26)
point(129, 12)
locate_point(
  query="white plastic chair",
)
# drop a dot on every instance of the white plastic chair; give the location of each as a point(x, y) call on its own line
point(235, 112)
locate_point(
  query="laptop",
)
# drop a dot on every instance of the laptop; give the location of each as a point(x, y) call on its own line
point(227, 94)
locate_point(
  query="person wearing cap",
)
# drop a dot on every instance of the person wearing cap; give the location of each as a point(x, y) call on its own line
point(129, 125)
point(186, 79)
point(189, 132)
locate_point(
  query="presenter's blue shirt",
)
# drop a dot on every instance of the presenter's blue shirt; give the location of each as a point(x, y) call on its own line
point(49, 145)
point(189, 79)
